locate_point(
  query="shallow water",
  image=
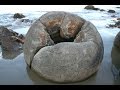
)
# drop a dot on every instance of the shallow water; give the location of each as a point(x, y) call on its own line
point(14, 71)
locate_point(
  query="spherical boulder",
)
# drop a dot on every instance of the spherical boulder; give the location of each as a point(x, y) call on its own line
point(63, 47)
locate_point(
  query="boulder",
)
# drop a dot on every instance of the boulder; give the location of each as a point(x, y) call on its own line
point(111, 11)
point(7, 42)
point(63, 47)
point(18, 15)
point(117, 41)
point(25, 20)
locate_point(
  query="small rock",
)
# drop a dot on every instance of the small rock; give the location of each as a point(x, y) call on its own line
point(111, 11)
point(117, 23)
point(18, 15)
point(119, 26)
point(113, 16)
point(117, 7)
point(25, 20)
point(89, 7)
point(102, 10)
point(118, 18)
point(96, 9)
point(112, 25)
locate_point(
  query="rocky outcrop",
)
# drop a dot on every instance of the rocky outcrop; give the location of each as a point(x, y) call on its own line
point(7, 41)
point(111, 11)
point(18, 15)
point(63, 47)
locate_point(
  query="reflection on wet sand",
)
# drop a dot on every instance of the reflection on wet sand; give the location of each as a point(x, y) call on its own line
point(115, 54)
point(37, 79)
point(11, 54)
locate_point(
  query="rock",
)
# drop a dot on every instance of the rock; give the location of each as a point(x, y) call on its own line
point(111, 11)
point(63, 47)
point(111, 26)
point(102, 10)
point(18, 15)
point(118, 18)
point(113, 16)
point(117, 23)
point(10, 54)
point(96, 9)
point(7, 42)
point(117, 41)
point(117, 7)
point(91, 7)
point(25, 20)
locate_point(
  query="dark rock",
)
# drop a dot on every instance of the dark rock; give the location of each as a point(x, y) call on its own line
point(18, 15)
point(25, 20)
point(10, 54)
point(117, 23)
point(91, 7)
point(112, 26)
point(113, 16)
point(117, 7)
point(96, 9)
point(102, 10)
point(63, 47)
point(7, 41)
point(111, 11)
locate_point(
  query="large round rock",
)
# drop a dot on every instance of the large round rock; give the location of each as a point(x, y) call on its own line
point(63, 47)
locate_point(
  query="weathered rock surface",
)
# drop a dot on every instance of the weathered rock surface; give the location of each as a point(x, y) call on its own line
point(18, 15)
point(7, 42)
point(63, 47)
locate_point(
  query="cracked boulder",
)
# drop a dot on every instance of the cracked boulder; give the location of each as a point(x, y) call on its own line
point(63, 47)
